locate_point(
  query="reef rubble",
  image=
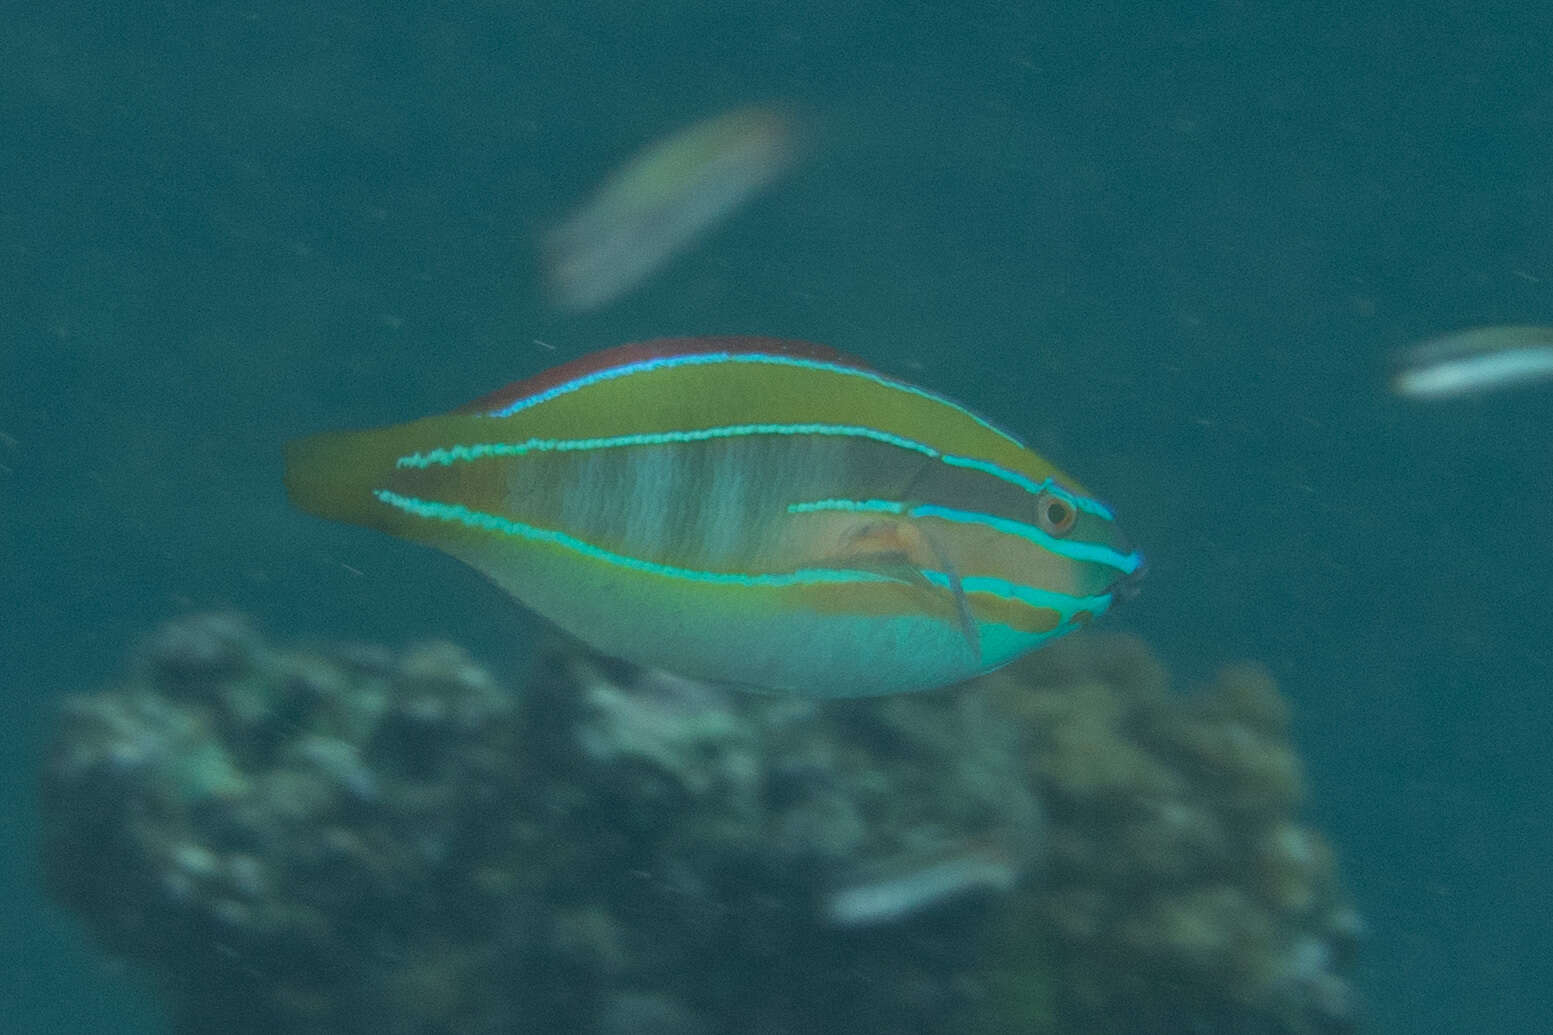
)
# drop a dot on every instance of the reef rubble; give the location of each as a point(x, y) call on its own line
point(350, 839)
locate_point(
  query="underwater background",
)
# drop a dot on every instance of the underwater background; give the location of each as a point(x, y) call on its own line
point(1171, 245)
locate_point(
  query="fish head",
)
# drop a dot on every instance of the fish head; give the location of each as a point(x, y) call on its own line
point(1077, 547)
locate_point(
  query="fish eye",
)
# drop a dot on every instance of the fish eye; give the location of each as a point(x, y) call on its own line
point(1054, 515)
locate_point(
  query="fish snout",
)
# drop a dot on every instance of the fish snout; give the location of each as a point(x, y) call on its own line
point(1127, 586)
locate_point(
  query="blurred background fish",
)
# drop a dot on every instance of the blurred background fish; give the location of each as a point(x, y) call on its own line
point(893, 890)
point(1479, 359)
point(663, 199)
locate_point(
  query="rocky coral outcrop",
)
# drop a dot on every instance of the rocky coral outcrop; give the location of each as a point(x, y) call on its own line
point(355, 840)
point(1182, 890)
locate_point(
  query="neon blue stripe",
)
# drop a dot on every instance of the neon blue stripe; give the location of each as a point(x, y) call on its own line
point(704, 358)
point(1072, 549)
point(449, 455)
point(453, 454)
point(1065, 604)
point(457, 513)
point(879, 506)
point(1035, 488)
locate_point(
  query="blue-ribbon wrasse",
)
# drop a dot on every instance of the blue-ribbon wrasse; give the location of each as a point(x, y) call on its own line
point(749, 511)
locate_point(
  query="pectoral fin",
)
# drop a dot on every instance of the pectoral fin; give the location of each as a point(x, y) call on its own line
point(901, 550)
point(962, 606)
point(889, 547)
point(893, 564)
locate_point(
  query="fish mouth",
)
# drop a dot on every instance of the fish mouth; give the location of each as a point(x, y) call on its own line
point(1127, 587)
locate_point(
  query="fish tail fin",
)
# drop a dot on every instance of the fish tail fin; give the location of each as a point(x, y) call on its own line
point(367, 477)
point(335, 474)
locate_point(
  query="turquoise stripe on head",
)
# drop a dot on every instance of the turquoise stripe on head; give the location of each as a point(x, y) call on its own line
point(1072, 549)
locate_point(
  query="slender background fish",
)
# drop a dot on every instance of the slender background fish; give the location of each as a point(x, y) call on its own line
point(743, 510)
point(912, 885)
point(1480, 359)
point(663, 200)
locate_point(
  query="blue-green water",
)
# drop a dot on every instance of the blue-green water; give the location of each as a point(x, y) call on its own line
point(1172, 247)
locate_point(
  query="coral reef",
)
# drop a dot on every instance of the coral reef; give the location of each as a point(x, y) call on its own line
point(1181, 892)
point(266, 828)
point(350, 840)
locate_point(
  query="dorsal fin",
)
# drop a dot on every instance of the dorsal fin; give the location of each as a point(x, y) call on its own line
point(657, 348)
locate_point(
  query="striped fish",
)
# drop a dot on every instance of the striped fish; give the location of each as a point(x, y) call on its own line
point(748, 511)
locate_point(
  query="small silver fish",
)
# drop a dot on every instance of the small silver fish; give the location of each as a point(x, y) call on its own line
point(1479, 359)
point(902, 888)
